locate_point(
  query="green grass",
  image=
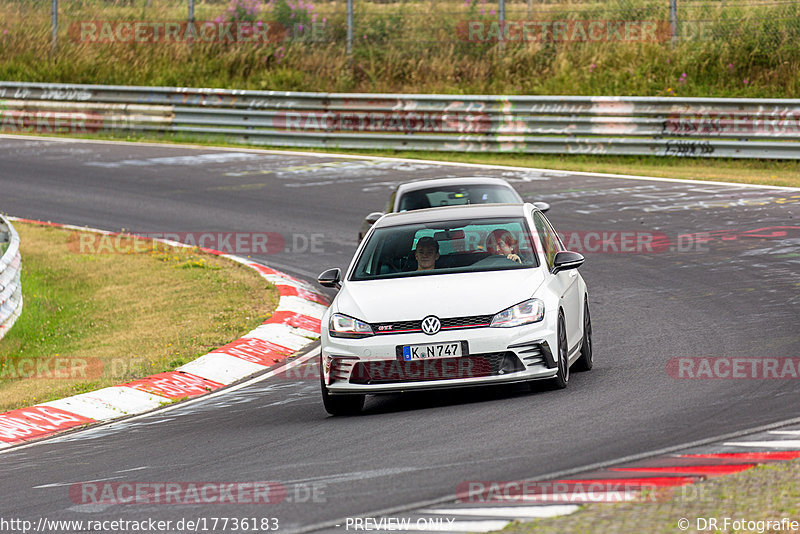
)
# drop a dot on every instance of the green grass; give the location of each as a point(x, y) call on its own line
point(112, 318)
point(744, 49)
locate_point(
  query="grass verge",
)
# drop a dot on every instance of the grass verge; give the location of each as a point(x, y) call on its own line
point(95, 320)
point(767, 492)
point(722, 48)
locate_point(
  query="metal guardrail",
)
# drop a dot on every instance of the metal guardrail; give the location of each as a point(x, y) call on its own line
point(660, 126)
point(10, 284)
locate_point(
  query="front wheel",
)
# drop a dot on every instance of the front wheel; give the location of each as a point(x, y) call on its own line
point(562, 376)
point(586, 360)
point(340, 404)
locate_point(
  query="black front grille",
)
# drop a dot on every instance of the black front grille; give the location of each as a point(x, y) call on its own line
point(472, 321)
point(448, 323)
point(475, 365)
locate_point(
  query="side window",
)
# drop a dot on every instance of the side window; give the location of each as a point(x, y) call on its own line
point(548, 239)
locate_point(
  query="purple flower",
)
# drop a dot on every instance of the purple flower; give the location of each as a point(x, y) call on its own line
point(746, 81)
point(668, 62)
point(592, 67)
point(491, 12)
point(300, 27)
point(324, 20)
point(730, 66)
point(5, 32)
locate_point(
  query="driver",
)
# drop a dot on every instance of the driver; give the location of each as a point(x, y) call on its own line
point(427, 252)
point(502, 243)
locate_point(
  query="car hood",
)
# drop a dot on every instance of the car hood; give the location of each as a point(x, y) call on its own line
point(444, 295)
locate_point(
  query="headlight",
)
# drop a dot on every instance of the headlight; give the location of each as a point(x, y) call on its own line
point(530, 311)
point(344, 326)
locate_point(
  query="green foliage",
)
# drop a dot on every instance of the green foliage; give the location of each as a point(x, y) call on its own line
point(723, 49)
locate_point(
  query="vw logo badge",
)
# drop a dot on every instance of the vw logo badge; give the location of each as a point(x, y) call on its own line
point(431, 325)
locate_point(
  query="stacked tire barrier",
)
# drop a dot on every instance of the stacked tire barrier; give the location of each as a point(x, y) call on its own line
point(658, 126)
point(10, 284)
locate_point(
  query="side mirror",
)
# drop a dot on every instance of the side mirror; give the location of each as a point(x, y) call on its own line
point(330, 278)
point(369, 220)
point(543, 206)
point(566, 260)
point(373, 217)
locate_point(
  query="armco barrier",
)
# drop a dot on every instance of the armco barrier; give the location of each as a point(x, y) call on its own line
point(10, 284)
point(660, 126)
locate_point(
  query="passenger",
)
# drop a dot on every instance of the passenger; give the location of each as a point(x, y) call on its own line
point(427, 252)
point(502, 243)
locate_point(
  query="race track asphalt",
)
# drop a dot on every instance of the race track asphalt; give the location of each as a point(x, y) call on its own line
point(731, 290)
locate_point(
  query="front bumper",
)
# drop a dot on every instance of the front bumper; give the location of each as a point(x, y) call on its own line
point(495, 355)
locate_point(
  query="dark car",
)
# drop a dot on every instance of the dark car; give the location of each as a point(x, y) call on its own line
point(447, 192)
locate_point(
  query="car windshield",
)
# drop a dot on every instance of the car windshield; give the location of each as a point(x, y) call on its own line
point(445, 247)
point(457, 195)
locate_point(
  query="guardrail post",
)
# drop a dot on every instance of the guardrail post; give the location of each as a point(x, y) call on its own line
point(191, 11)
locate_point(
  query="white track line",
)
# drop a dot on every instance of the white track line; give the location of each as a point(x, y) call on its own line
point(785, 444)
point(508, 512)
point(488, 525)
point(403, 160)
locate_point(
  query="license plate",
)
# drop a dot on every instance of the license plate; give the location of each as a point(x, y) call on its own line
point(432, 351)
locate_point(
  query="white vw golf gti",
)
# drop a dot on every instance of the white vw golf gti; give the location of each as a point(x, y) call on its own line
point(452, 297)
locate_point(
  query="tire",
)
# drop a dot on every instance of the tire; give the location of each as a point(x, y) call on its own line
point(340, 404)
point(586, 360)
point(562, 377)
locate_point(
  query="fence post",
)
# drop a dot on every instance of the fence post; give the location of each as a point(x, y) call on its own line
point(191, 11)
point(673, 21)
point(501, 18)
point(350, 30)
point(54, 31)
